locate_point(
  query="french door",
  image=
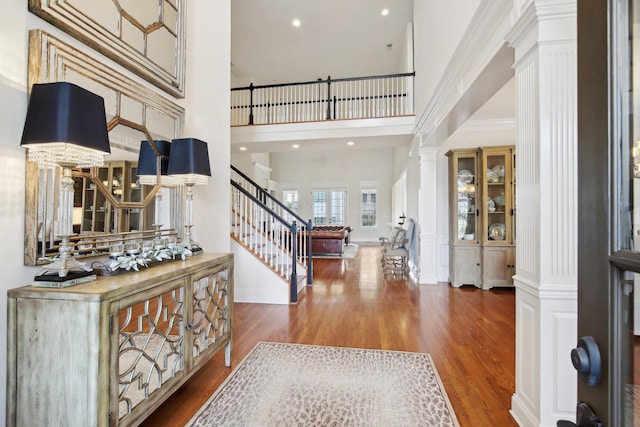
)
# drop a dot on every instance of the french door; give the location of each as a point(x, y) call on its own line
point(608, 350)
point(329, 206)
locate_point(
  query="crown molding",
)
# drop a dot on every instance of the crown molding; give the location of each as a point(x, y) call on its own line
point(261, 166)
point(481, 41)
point(492, 125)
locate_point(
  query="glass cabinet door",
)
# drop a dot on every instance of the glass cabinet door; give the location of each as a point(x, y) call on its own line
point(513, 196)
point(464, 188)
point(497, 196)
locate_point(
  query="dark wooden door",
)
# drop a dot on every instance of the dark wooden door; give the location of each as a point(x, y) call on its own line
point(608, 218)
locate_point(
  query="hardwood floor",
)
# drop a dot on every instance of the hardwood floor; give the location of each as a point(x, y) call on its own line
point(469, 332)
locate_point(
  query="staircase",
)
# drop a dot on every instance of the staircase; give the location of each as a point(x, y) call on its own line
point(272, 245)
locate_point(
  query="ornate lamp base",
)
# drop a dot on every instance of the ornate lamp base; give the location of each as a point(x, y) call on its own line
point(66, 262)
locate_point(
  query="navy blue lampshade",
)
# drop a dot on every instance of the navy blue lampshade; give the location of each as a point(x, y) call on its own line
point(65, 124)
point(148, 161)
point(189, 161)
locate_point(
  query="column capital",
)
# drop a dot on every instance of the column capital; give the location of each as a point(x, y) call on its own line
point(428, 154)
point(543, 22)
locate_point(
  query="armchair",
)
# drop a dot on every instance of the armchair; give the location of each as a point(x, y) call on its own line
point(395, 248)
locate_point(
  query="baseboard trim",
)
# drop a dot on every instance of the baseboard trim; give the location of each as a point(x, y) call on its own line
point(521, 413)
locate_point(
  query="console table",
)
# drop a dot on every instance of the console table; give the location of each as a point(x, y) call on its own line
point(109, 352)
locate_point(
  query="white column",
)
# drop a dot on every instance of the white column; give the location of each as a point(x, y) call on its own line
point(427, 216)
point(544, 37)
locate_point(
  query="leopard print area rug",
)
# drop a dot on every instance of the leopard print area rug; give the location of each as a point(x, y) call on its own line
point(306, 385)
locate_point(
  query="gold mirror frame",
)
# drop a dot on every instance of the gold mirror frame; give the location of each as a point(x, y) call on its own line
point(146, 37)
point(127, 103)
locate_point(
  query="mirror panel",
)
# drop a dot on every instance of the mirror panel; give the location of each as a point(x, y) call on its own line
point(147, 37)
point(134, 113)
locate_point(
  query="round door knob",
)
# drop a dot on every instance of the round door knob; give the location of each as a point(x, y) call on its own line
point(587, 361)
point(580, 360)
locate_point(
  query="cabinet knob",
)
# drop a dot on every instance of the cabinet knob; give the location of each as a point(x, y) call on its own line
point(189, 325)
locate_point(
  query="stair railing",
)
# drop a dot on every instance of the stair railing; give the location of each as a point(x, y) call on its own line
point(273, 204)
point(331, 99)
point(276, 242)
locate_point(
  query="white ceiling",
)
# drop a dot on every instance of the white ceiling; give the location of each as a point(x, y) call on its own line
point(337, 38)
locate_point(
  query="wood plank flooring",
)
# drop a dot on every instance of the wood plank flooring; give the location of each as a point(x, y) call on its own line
point(469, 332)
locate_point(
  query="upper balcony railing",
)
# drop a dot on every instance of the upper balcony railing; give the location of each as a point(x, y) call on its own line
point(330, 99)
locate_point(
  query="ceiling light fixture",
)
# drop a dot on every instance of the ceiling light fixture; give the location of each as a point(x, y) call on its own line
point(296, 22)
point(295, 146)
point(384, 12)
point(243, 148)
point(351, 143)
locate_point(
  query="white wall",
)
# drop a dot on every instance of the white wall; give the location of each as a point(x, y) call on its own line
point(207, 107)
point(438, 28)
point(207, 79)
point(305, 171)
point(13, 92)
point(244, 162)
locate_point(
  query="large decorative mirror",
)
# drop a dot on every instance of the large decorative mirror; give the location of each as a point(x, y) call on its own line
point(147, 37)
point(134, 114)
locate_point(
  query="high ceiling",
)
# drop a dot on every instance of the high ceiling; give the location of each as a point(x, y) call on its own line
point(337, 38)
point(344, 38)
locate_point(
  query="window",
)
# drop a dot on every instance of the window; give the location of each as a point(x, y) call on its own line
point(290, 199)
point(329, 207)
point(368, 207)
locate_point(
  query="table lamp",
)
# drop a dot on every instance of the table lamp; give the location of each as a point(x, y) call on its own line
point(152, 169)
point(189, 165)
point(65, 126)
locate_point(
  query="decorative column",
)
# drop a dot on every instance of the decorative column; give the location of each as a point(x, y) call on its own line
point(545, 40)
point(427, 220)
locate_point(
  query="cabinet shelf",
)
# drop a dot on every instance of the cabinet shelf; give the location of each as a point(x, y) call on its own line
point(121, 181)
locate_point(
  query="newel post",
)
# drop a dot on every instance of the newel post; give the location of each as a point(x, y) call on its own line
point(309, 255)
point(294, 261)
point(251, 104)
point(329, 98)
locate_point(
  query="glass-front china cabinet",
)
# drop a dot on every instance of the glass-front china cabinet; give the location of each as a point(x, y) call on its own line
point(482, 216)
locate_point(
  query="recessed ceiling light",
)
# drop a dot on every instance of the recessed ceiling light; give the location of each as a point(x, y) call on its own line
point(385, 12)
point(295, 146)
point(351, 143)
point(296, 22)
point(243, 148)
